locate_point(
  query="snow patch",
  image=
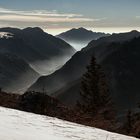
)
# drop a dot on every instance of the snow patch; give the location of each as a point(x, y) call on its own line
point(6, 35)
point(18, 125)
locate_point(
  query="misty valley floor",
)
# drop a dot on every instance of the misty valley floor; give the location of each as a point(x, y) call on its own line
point(18, 125)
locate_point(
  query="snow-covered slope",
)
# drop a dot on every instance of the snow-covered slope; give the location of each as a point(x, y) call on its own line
point(18, 125)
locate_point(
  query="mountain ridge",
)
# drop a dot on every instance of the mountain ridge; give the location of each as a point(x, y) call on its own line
point(103, 51)
point(74, 62)
point(42, 52)
point(80, 37)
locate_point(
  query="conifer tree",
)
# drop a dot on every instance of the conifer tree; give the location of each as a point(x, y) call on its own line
point(129, 121)
point(94, 90)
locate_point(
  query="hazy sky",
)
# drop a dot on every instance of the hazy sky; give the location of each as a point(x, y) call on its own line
point(59, 15)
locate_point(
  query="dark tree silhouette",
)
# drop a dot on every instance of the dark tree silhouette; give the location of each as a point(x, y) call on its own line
point(37, 102)
point(94, 90)
point(129, 118)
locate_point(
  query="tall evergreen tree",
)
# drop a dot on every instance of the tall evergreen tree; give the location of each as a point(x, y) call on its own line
point(129, 121)
point(94, 90)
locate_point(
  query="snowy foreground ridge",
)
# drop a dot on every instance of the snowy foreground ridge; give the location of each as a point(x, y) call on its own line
point(18, 125)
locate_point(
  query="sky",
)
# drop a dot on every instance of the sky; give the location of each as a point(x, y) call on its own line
point(55, 16)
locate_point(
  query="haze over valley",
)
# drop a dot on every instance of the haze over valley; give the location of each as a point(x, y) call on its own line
point(41, 53)
point(70, 70)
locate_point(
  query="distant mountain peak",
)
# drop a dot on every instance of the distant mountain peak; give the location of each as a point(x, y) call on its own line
point(10, 30)
point(80, 37)
point(37, 29)
point(134, 31)
point(84, 29)
point(79, 29)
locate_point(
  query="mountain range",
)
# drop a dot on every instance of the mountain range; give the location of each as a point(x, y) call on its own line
point(80, 37)
point(36, 47)
point(118, 55)
point(28, 53)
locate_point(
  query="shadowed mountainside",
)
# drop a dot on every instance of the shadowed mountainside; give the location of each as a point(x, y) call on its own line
point(80, 37)
point(23, 52)
point(36, 47)
point(119, 58)
point(15, 74)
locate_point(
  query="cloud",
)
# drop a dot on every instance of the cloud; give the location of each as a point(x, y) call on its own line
point(9, 15)
point(23, 18)
point(37, 13)
point(138, 17)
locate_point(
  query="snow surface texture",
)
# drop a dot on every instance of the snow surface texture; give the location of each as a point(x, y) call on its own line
point(18, 125)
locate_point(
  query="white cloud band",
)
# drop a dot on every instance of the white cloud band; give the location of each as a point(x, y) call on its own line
point(41, 16)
